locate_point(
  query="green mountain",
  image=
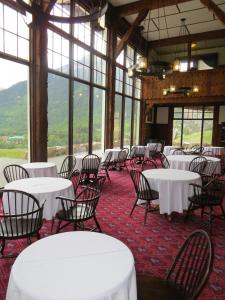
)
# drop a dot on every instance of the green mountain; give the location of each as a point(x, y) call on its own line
point(13, 121)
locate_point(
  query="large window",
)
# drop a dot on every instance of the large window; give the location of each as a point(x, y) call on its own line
point(81, 65)
point(193, 125)
point(127, 101)
point(14, 98)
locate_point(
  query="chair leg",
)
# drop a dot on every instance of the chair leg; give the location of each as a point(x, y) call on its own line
point(107, 175)
point(135, 203)
point(188, 211)
point(58, 227)
point(74, 226)
point(2, 247)
point(38, 236)
point(97, 224)
point(202, 211)
point(52, 223)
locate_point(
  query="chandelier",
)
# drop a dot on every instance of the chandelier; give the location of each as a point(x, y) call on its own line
point(157, 68)
point(183, 32)
point(97, 10)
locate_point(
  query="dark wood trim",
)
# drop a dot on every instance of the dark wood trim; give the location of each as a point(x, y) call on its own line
point(135, 7)
point(12, 4)
point(215, 9)
point(110, 99)
point(210, 100)
point(38, 91)
point(215, 34)
point(123, 42)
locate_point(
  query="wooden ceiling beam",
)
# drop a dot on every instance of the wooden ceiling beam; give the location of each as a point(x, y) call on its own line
point(188, 38)
point(215, 9)
point(141, 16)
point(135, 7)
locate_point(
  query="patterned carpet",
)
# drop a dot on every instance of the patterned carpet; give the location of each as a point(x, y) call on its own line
point(153, 246)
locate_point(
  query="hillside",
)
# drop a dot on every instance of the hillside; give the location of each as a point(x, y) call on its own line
point(13, 121)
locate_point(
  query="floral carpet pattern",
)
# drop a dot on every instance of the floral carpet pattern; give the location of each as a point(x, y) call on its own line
point(154, 245)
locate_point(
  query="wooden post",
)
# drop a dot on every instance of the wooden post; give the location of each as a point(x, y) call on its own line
point(109, 130)
point(38, 89)
point(189, 57)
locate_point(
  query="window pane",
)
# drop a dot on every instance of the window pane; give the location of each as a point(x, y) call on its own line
point(99, 71)
point(98, 121)
point(81, 63)
point(62, 10)
point(119, 80)
point(136, 122)
point(192, 132)
point(178, 112)
point(208, 112)
point(82, 31)
point(128, 85)
point(127, 122)
point(81, 118)
point(14, 118)
point(207, 133)
point(58, 107)
point(100, 41)
point(177, 124)
point(117, 120)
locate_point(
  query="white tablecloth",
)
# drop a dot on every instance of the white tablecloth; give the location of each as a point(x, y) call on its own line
point(182, 162)
point(115, 153)
point(173, 187)
point(79, 159)
point(74, 266)
point(153, 145)
point(215, 150)
point(167, 149)
point(45, 188)
point(41, 169)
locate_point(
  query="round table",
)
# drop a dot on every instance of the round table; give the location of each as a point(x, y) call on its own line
point(167, 149)
point(173, 187)
point(215, 150)
point(115, 153)
point(155, 146)
point(41, 169)
point(182, 162)
point(74, 266)
point(45, 189)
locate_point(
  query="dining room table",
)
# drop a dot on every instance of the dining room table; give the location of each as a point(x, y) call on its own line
point(167, 149)
point(215, 150)
point(115, 153)
point(41, 169)
point(45, 189)
point(74, 266)
point(182, 162)
point(174, 188)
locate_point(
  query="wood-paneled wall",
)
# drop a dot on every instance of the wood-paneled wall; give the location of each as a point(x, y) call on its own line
point(211, 84)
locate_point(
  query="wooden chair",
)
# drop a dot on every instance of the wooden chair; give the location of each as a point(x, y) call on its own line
point(186, 277)
point(90, 167)
point(75, 177)
point(121, 161)
point(106, 164)
point(164, 161)
point(207, 153)
point(207, 198)
point(148, 164)
point(143, 192)
point(20, 217)
point(15, 172)
point(178, 152)
point(67, 166)
point(198, 164)
point(79, 210)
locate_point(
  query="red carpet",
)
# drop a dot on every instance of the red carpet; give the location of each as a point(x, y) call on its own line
point(153, 245)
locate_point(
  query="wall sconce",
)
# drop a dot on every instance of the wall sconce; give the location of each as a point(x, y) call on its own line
point(195, 89)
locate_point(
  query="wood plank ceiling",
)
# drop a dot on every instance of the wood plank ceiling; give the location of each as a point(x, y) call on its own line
point(205, 20)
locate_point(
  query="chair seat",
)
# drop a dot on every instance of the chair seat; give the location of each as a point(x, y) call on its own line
point(153, 288)
point(205, 200)
point(146, 195)
point(78, 212)
point(18, 227)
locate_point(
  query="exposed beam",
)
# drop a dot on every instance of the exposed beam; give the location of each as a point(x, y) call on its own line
point(215, 9)
point(135, 7)
point(141, 16)
point(188, 38)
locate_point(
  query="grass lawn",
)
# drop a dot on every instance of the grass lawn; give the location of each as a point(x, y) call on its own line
point(194, 138)
point(13, 153)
